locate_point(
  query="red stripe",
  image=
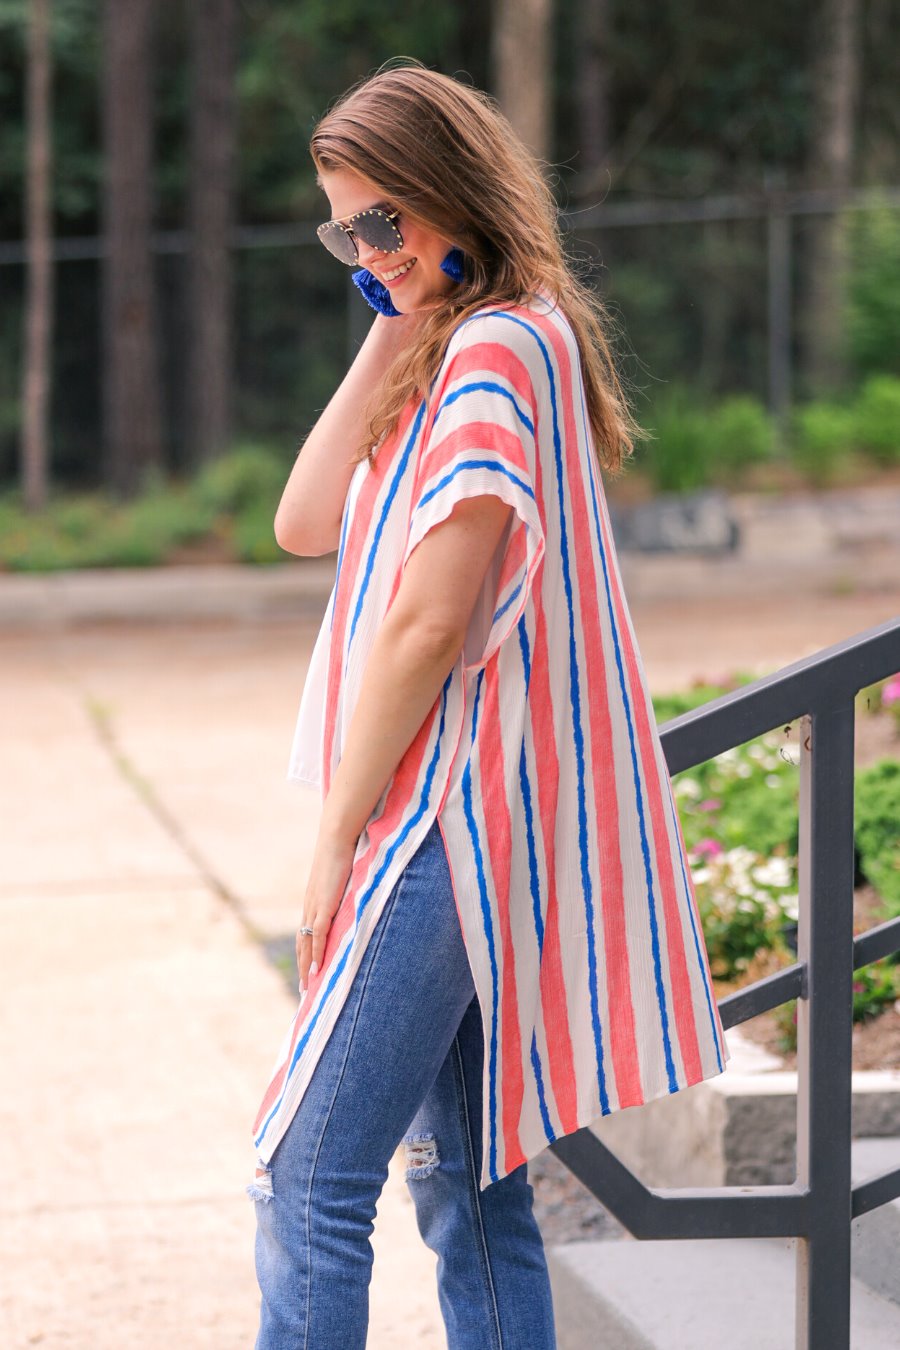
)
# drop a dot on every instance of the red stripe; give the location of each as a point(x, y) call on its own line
point(622, 1035)
point(495, 809)
point(490, 358)
point(554, 1000)
point(348, 580)
point(489, 438)
point(682, 994)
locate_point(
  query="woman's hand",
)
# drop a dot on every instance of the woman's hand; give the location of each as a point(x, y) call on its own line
point(330, 872)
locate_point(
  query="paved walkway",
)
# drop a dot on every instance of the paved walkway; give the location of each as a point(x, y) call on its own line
point(148, 839)
point(140, 1019)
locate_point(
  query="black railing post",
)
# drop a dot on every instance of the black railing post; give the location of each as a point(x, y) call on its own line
point(824, 1026)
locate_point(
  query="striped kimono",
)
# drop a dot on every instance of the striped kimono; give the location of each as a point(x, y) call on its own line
point(540, 759)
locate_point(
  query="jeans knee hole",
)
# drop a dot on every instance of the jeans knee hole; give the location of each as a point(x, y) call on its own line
point(261, 1187)
point(421, 1156)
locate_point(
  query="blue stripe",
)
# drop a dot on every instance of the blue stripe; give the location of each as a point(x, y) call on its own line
point(466, 784)
point(364, 899)
point(385, 512)
point(577, 730)
point(488, 387)
point(506, 603)
point(475, 464)
point(639, 798)
point(535, 885)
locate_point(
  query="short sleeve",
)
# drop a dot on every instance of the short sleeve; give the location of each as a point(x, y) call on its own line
point(482, 439)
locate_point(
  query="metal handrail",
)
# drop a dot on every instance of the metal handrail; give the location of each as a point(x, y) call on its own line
point(817, 1209)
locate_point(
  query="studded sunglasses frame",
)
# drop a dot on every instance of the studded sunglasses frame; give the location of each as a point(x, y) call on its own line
point(345, 232)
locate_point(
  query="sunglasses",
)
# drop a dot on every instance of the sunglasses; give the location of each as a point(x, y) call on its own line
point(374, 227)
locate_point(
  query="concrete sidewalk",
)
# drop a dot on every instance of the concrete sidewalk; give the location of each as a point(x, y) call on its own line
point(140, 1017)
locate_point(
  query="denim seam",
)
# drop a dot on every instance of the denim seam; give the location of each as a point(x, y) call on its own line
point(337, 1087)
point(473, 1179)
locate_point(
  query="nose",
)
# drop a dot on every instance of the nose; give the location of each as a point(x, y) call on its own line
point(367, 254)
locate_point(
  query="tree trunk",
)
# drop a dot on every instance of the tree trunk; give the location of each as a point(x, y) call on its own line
point(212, 173)
point(36, 380)
point(836, 61)
point(592, 87)
point(522, 68)
point(132, 419)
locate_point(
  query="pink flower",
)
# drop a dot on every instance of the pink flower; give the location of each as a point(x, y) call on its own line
point(711, 804)
point(708, 848)
point(891, 692)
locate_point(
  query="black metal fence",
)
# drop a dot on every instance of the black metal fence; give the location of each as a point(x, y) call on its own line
point(705, 290)
point(819, 1206)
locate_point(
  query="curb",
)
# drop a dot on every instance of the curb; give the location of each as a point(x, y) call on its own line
point(167, 594)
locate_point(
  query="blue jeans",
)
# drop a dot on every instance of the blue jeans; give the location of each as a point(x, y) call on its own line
point(403, 1064)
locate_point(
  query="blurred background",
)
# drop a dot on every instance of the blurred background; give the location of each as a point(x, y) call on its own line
point(730, 186)
point(170, 327)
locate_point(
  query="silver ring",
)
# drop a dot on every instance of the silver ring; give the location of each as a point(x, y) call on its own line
point(306, 930)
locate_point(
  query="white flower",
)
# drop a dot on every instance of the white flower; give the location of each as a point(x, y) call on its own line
point(790, 905)
point(774, 871)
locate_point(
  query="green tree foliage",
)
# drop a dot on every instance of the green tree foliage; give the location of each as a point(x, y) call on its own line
point(702, 100)
point(873, 327)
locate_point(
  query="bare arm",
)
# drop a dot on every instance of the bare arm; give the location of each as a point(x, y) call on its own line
point(308, 519)
point(411, 656)
point(416, 646)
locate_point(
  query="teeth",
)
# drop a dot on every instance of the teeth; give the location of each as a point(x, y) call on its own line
point(398, 271)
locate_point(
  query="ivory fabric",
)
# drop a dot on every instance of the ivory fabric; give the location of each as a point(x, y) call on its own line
point(541, 760)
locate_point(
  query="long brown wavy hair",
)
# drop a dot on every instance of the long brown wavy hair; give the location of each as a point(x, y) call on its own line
point(444, 154)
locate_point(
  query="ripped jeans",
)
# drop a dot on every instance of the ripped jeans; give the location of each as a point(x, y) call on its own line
point(403, 1064)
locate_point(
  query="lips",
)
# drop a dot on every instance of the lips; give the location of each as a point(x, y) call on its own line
point(392, 278)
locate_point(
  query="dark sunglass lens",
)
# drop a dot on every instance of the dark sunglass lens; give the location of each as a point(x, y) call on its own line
point(337, 241)
point(375, 229)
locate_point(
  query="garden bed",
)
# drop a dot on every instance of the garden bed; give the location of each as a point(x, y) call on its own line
point(876, 1040)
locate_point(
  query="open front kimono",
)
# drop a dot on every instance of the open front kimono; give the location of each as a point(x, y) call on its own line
point(541, 760)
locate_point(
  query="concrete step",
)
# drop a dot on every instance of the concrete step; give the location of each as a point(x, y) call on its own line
point(876, 1236)
point(693, 1295)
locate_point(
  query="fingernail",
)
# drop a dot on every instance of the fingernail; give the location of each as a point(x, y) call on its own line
point(314, 968)
point(302, 989)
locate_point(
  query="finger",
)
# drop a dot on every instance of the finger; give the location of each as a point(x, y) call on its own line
point(304, 951)
point(320, 933)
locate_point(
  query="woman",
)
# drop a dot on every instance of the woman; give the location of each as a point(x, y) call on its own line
point(499, 941)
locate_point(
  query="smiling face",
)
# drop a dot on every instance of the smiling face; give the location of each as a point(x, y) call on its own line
point(413, 275)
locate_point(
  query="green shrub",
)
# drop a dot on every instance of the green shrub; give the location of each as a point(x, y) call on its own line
point(90, 530)
point(254, 535)
point(695, 446)
point(245, 478)
point(823, 436)
point(739, 816)
point(877, 418)
point(680, 457)
point(746, 796)
point(873, 297)
point(875, 989)
point(741, 433)
point(877, 829)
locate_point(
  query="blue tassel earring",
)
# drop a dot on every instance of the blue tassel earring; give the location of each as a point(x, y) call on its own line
point(374, 292)
point(455, 264)
point(378, 295)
